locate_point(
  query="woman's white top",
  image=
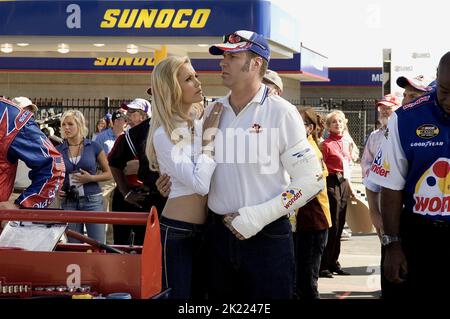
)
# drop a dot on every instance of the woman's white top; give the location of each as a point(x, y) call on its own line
point(190, 171)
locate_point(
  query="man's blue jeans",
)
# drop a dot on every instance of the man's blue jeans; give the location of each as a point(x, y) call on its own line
point(261, 267)
point(87, 203)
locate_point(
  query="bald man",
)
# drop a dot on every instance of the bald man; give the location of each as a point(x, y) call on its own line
point(413, 168)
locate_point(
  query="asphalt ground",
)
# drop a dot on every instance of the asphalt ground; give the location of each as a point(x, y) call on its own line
point(360, 256)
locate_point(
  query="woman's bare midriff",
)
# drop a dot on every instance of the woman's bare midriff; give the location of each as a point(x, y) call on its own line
point(189, 208)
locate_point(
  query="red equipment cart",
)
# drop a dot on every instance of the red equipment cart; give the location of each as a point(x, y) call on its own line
point(138, 271)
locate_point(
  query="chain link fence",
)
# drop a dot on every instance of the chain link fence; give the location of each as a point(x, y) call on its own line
point(361, 114)
point(50, 110)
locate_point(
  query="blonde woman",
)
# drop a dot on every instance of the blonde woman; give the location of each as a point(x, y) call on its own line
point(81, 189)
point(177, 146)
point(337, 156)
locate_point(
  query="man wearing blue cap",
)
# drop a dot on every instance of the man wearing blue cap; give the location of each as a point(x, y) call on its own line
point(253, 189)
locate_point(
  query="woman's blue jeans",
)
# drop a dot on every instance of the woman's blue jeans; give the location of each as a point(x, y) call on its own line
point(183, 259)
point(87, 203)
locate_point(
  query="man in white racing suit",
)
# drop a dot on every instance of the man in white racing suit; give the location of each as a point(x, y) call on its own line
point(266, 169)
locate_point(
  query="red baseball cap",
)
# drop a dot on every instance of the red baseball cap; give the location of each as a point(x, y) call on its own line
point(389, 100)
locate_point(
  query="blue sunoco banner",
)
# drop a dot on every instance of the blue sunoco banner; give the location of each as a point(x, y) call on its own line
point(157, 18)
point(133, 64)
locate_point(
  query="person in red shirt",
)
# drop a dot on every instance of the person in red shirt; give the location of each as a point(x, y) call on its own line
point(336, 155)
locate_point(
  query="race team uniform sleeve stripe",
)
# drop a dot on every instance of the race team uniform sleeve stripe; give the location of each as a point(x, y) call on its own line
point(390, 165)
point(46, 163)
point(130, 143)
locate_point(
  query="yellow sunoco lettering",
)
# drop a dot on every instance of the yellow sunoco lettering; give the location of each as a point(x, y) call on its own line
point(139, 61)
point(154, 18)
point(146, 17)
point(164, 18)
point(109, 19)
point(200, 18)
point(100, 61)
point(112, 61)
point(126, 61)
point(177, 23)
point(123, 22)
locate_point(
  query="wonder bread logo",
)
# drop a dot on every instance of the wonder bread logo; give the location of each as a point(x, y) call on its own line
point(289, 197)
point(427, 131)
point(378, 167)
point(432, 191)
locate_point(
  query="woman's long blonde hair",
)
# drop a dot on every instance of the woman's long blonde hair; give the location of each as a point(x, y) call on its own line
point(79, 119)
point(166, 103)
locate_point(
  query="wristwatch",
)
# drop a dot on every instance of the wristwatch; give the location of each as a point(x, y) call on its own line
point(387, 239)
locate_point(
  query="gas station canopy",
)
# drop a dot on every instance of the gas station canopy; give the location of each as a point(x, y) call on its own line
point(89, 30)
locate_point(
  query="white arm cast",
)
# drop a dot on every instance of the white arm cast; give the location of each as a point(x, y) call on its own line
point(307, 181)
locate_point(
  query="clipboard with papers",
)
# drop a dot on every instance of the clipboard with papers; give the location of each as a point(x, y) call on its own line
point(32, 236)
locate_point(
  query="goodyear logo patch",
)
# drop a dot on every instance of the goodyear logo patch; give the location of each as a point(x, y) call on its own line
point(427, 131)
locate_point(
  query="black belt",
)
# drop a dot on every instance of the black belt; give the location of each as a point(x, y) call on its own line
point(218, 218)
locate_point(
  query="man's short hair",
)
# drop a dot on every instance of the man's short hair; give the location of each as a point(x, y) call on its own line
point(264, 66)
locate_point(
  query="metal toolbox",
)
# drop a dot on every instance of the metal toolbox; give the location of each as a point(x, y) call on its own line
point(137, 272)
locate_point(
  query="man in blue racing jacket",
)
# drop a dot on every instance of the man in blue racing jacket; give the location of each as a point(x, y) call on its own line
point(21, 138)
point(413, 168)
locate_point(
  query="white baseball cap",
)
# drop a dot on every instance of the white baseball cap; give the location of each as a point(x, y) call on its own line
point(139, 104)
point(273, 77)
point(24, 102)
